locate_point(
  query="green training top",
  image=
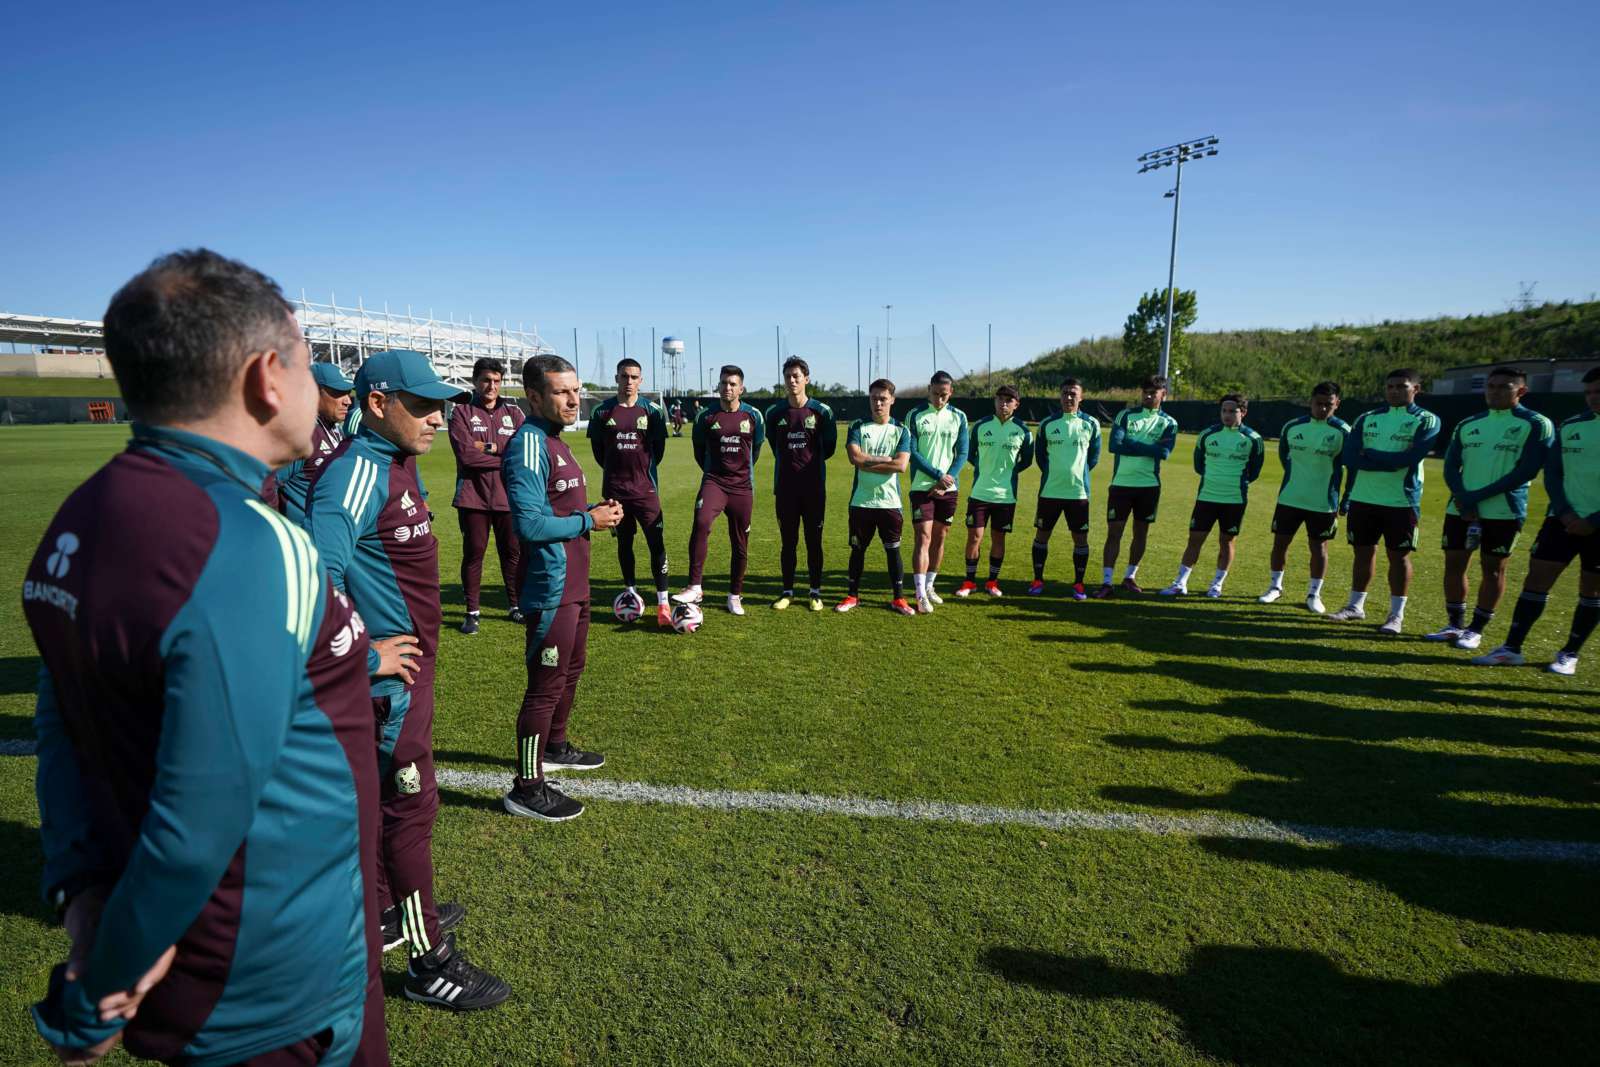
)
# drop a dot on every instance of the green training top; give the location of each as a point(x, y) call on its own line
point(1140, 439)
point(1228, 459)
point(1312, 455)
point(1000, 452)
point(1384, 454)
point(1067, 448)
point(1572, 471)
point(938, 444)
point(872, 489)
point(1492, 457)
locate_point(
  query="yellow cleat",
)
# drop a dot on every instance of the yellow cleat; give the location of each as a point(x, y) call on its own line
point(781, 603)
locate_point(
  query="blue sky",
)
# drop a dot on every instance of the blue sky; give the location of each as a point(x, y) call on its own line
point(738, 166)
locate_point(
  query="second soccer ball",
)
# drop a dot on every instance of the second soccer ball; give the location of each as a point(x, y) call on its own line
point(628, 606)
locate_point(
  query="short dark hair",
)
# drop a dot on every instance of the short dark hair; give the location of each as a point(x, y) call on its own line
point(1008, 391)
point(729, 368)
point(1068, 383)
point(941, 377)
point(1238, 398)
point(1516, 374)
point(489, 364)
point(881, 383)
point(1154, 381)
point(629, 362)
point(537, 370)
point(178, 332)
point(1591, 375)
point(1404, 372)
point(796, 361)
point(1326, 389)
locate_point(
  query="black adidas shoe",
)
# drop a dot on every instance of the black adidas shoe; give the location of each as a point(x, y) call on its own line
point(444, 978)
point(450, 915)
point(469, 625)
point(517, 616)
point(565, 757)
point(541, 801)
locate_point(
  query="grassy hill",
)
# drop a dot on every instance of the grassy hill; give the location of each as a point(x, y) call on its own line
point(1278, 363)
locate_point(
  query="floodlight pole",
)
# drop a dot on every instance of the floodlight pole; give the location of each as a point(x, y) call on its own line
point(858, 359)
point(888, 344)
point(1172, 269)
point(1175, 156)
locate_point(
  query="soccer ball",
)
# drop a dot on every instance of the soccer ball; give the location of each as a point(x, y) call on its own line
point(628, 606)
point(686, 618)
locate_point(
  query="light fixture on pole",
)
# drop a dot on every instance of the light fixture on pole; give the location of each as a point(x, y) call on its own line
point(888, 345)
point(1174, 156)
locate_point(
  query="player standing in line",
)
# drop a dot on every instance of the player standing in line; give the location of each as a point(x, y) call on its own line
point(1140, 439)
point(479, 431)
point(549, 499)
point(206, 781)
point(803, 436)
point(1491, 458)
point(1571, 531)
point(880, 451)
point(1001, 449)
point(368, 514)
point(1311, 449)
point(939, 442)
point(727, 443)
point(333, 404)
point(629, 439)
point(1068, 448)
point(1228, 457)
point(1383, 456)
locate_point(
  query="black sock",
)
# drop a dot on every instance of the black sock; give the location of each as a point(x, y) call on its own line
point(1583, 623)
point(972, 570)
point(1080, 563)
point(1480, 619)
point(994, 567)
point(1457, 613)
point(897, 570)
point(1041, 551)
point(625, 557)
point(657, 542)
point(1529, 607)
point(858, 560)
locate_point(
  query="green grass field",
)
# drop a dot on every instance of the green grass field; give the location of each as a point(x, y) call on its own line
point(19, 386)
point(648, 933)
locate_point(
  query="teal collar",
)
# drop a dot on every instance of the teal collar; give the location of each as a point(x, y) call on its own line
point(238, 465)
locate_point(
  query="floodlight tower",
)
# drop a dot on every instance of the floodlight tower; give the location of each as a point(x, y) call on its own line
point(1175, 156)
point(672, 352)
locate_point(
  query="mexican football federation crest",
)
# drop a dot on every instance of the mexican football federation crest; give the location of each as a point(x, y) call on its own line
point(549, 657)
point(811, 422)
point(408, 780)
point(643, 423)
point(744, 425)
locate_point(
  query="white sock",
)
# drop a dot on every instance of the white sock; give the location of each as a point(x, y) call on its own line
point(815, 591)
point(632, 590)
point(1397, 606)
point(1218, 578)
point(931, 576)
point(1183, 575)
point(661, 597)
point(920, 581)
point(1277, 580)
point(1109, 571)
point(473, 613)
point(1313, 587)
point(1358, 600)
point(1133, 568)
point(692, 589)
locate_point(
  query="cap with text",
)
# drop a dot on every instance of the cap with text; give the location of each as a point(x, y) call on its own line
point(401, 370)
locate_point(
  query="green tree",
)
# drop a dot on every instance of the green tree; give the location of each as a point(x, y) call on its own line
point(1145, 329)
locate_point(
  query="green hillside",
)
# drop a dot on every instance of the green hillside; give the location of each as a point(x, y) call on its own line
point(20, 386)
point(1266, 363)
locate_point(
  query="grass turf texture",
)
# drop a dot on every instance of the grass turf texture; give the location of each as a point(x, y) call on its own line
point(20, 386)
point(642, 934)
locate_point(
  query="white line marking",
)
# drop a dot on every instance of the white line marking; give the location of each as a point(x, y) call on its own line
point(1070, 819)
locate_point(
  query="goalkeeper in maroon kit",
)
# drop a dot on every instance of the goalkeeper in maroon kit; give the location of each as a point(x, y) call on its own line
point(727, 442)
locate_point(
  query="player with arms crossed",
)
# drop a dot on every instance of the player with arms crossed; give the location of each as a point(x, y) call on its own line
point(629, 440)
point(939, 442)
point(1001, 449)
point(1571, 531)
point(549, 501)
point(880, 451)
point(1228, 457)
point(1311, 450)
point(1141, 438)
point(1384, 455)
point(1067, 448)
point(803, 435)
point(480, 428)
point(727, 443)
point(1491, 458)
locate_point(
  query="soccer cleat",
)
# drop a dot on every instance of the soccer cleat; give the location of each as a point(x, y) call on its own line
point(1035, 588)
point(1270, 596)
point(691, 595)
point(1444, 633)
point(1349, 613)
point(735, 604)
point(1214, 592)
point(933, 597)
point(1314, 604)
point(541, 801)
point(1500, 657)
point(1175, 589)
point(899, 604)
point(782, 603)
point(846, 604)
point(1132, 586)
point(992, 588)
point(1392, 626)
point(1564, 663)
point(567, 757)
point(516, 616)
point(1469, 640)
point(450, 915)
point(1104, 592)
point(816, 603)
point(1077, 591)
point(664, 615)
point(469, 625)
point(924, 606)
point(966, 589)
point(443, 978)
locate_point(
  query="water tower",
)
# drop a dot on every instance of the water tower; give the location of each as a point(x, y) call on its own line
point(672, 355)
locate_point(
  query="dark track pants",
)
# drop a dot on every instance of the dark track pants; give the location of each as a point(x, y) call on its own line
point(645, 515)
point(713, 501)
point(801, 507)
point(410, 803)
point(475, 527)
point(558, 641)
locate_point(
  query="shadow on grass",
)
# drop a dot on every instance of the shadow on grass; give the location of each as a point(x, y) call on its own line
point(19, 674)
point(479, 801)
point(1277, 1006)
point(20, 894)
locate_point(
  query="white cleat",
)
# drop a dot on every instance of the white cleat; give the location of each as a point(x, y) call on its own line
point(1270, 596)
point(1314, 604)
point(934, 598)
point(1215, 592)
point(924, 606)
point(1564, 663)
point(691, 595)
point(1444, 633)
point(1469, 640)
point(1175, 589)
point(735, 604)
point(1392, 626)
point(1349, 613)
point(1500, 657)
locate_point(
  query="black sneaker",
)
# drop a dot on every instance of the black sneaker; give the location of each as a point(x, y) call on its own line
point(450, 915)
point(443, 977)
point(517, 616)
point(541, 801)
point(469, 625)
point(564, 757)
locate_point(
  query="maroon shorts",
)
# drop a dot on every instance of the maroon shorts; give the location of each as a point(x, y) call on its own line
point(1370, 523)
point(928, 507)
point(981, 513)
point(643, 511)
point(1497, 537)
point(1136, 501)
point(1227, 518)
point(1051, 509)
point(1320, 525)
point(886, 523)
